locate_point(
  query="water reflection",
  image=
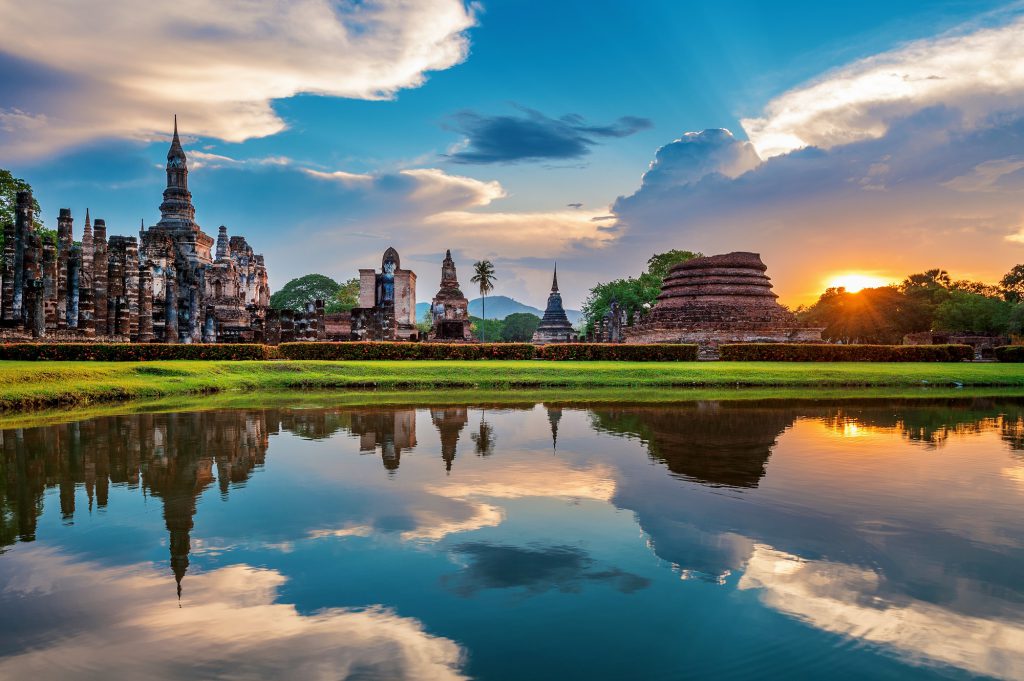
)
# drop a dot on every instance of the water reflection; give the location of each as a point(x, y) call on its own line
point(897, 524)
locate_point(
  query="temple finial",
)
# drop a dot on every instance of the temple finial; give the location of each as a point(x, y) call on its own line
point(554, 279)
point(175, 126)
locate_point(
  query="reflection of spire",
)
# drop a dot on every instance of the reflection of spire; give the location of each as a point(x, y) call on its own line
point(450, 422)
point(554, 416)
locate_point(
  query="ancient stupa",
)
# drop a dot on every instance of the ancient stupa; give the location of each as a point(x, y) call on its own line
point(720, 299)
point(449, 310)
point(554, 327)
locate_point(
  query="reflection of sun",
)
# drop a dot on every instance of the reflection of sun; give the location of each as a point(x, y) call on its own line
point(853, 281)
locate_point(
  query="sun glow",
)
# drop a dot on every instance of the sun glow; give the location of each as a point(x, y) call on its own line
point(853, 281)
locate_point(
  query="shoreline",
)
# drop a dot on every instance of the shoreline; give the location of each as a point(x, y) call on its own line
point(47, 385)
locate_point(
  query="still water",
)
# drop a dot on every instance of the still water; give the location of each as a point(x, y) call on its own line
point(706, 539)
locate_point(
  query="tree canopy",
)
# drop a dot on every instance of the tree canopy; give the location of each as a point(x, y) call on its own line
point(518, 327)
point(634, 294)
point(296, 293)
point(9, 188)
point(346, 298)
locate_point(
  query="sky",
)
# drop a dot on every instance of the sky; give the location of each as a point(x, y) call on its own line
point(875, 138)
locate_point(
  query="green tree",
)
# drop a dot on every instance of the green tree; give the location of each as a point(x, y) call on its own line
point(965, 311)
point(487, 328)
point(1012, 284)
point(518, 327)
point(872, 315)
point(346, 298)
point(634, 294)
point(9, 188)
point(483, 276)
point(296, 293)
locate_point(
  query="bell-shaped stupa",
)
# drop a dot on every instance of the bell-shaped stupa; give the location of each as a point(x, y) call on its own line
point(720, 299)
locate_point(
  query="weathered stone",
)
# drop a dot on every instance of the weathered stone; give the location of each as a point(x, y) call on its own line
point(719, 299)
point(387, 302)
point(449, 310)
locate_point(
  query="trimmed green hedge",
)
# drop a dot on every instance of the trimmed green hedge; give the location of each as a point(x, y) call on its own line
point(132, 352)
point(821, 352)
point(1010, 353)
point(391, 351)
point(600, 352)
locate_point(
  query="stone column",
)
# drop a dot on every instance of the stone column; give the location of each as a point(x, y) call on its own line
point(170, 307)
point(131, 285)
point(35, 311)
point(74, 286)
point(7, 308)
point(99, 277)
point(22, 229)
point(210, 325)
point(115, 284)
point(65, 241)
point(86, 292)
point(49, 277)
point(145, 304)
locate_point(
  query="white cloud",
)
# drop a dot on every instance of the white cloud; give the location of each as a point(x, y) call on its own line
point(116, 622)
point(977, 72)
point(122, 67)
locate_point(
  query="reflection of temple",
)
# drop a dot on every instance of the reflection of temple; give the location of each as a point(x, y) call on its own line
point(387, 302)
point(554, 416)
point(391, 430)
point(710, 442)
point(449, 422)
point(171, 456)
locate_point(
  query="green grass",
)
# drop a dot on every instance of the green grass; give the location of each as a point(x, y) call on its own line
point(52, 384)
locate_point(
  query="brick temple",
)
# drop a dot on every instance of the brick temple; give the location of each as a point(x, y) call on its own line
point(719, 299)
point(554, 326)
point(174, 284)
point(449, 310)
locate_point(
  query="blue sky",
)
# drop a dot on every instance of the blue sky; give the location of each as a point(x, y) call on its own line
point(329, 131)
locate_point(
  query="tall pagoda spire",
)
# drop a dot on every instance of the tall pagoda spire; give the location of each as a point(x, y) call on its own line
point(554, 326)
point(554, 280)
point(177, 209)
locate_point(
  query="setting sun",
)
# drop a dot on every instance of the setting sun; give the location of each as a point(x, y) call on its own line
point(854, 282)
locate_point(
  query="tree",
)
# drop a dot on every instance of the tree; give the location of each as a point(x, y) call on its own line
point(965, 311)
point(483, 275)
point(518, 327)
point(346, 298)
point(9, 188)
point(296, 293)
point(633, 294)
point(872, 315)
point(1012, 284)
point(487, 328)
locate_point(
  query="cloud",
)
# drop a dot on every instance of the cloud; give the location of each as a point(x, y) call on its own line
point(124, 67)
point(532, 136)
point(936, 188)
point(116, 622)
point(976, 71)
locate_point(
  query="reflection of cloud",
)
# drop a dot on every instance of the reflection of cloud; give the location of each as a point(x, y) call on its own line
point(118, 68)
point(537, 569)
point(848, 600)
point(517, 481)
point(118, 622)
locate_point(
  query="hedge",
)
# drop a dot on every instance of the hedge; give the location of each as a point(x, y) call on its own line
point(664, 352)
point(390, 351)
point(821, 352)
point(133, 352)
point(1010, 353)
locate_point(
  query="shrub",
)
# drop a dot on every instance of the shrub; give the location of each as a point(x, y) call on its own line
point(392, 351)
point(1010, 353)
point(665, 352)
point(133, 352)
point(820, 352)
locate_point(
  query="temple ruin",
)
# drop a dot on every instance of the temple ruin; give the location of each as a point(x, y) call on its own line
point(719, 299)
point(169, 285)
point(554, 327)
point(449, 310)
point(387, 302)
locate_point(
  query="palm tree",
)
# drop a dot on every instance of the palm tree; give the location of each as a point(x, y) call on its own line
point(483, 274)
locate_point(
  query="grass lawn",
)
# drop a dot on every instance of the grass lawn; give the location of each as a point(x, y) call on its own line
point(51, 384)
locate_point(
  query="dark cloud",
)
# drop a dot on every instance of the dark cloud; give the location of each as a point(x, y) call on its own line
point(532, 136)
point(535, 569)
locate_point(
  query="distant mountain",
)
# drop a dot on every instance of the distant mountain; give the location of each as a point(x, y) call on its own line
point(499, 307)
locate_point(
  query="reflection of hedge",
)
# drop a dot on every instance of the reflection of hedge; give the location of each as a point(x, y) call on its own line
point(371, 350)
point(674, 352)
point(132, 352)
point(1010, 353)
point(820, 352)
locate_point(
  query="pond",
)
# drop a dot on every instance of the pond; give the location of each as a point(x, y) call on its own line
point(873, 538)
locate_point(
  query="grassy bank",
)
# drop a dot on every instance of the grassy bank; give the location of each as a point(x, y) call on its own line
point(51, 384)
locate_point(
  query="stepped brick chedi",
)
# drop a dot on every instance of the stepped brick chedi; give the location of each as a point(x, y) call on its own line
point(719, 299)
point(554, 326)
point(449, 310)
